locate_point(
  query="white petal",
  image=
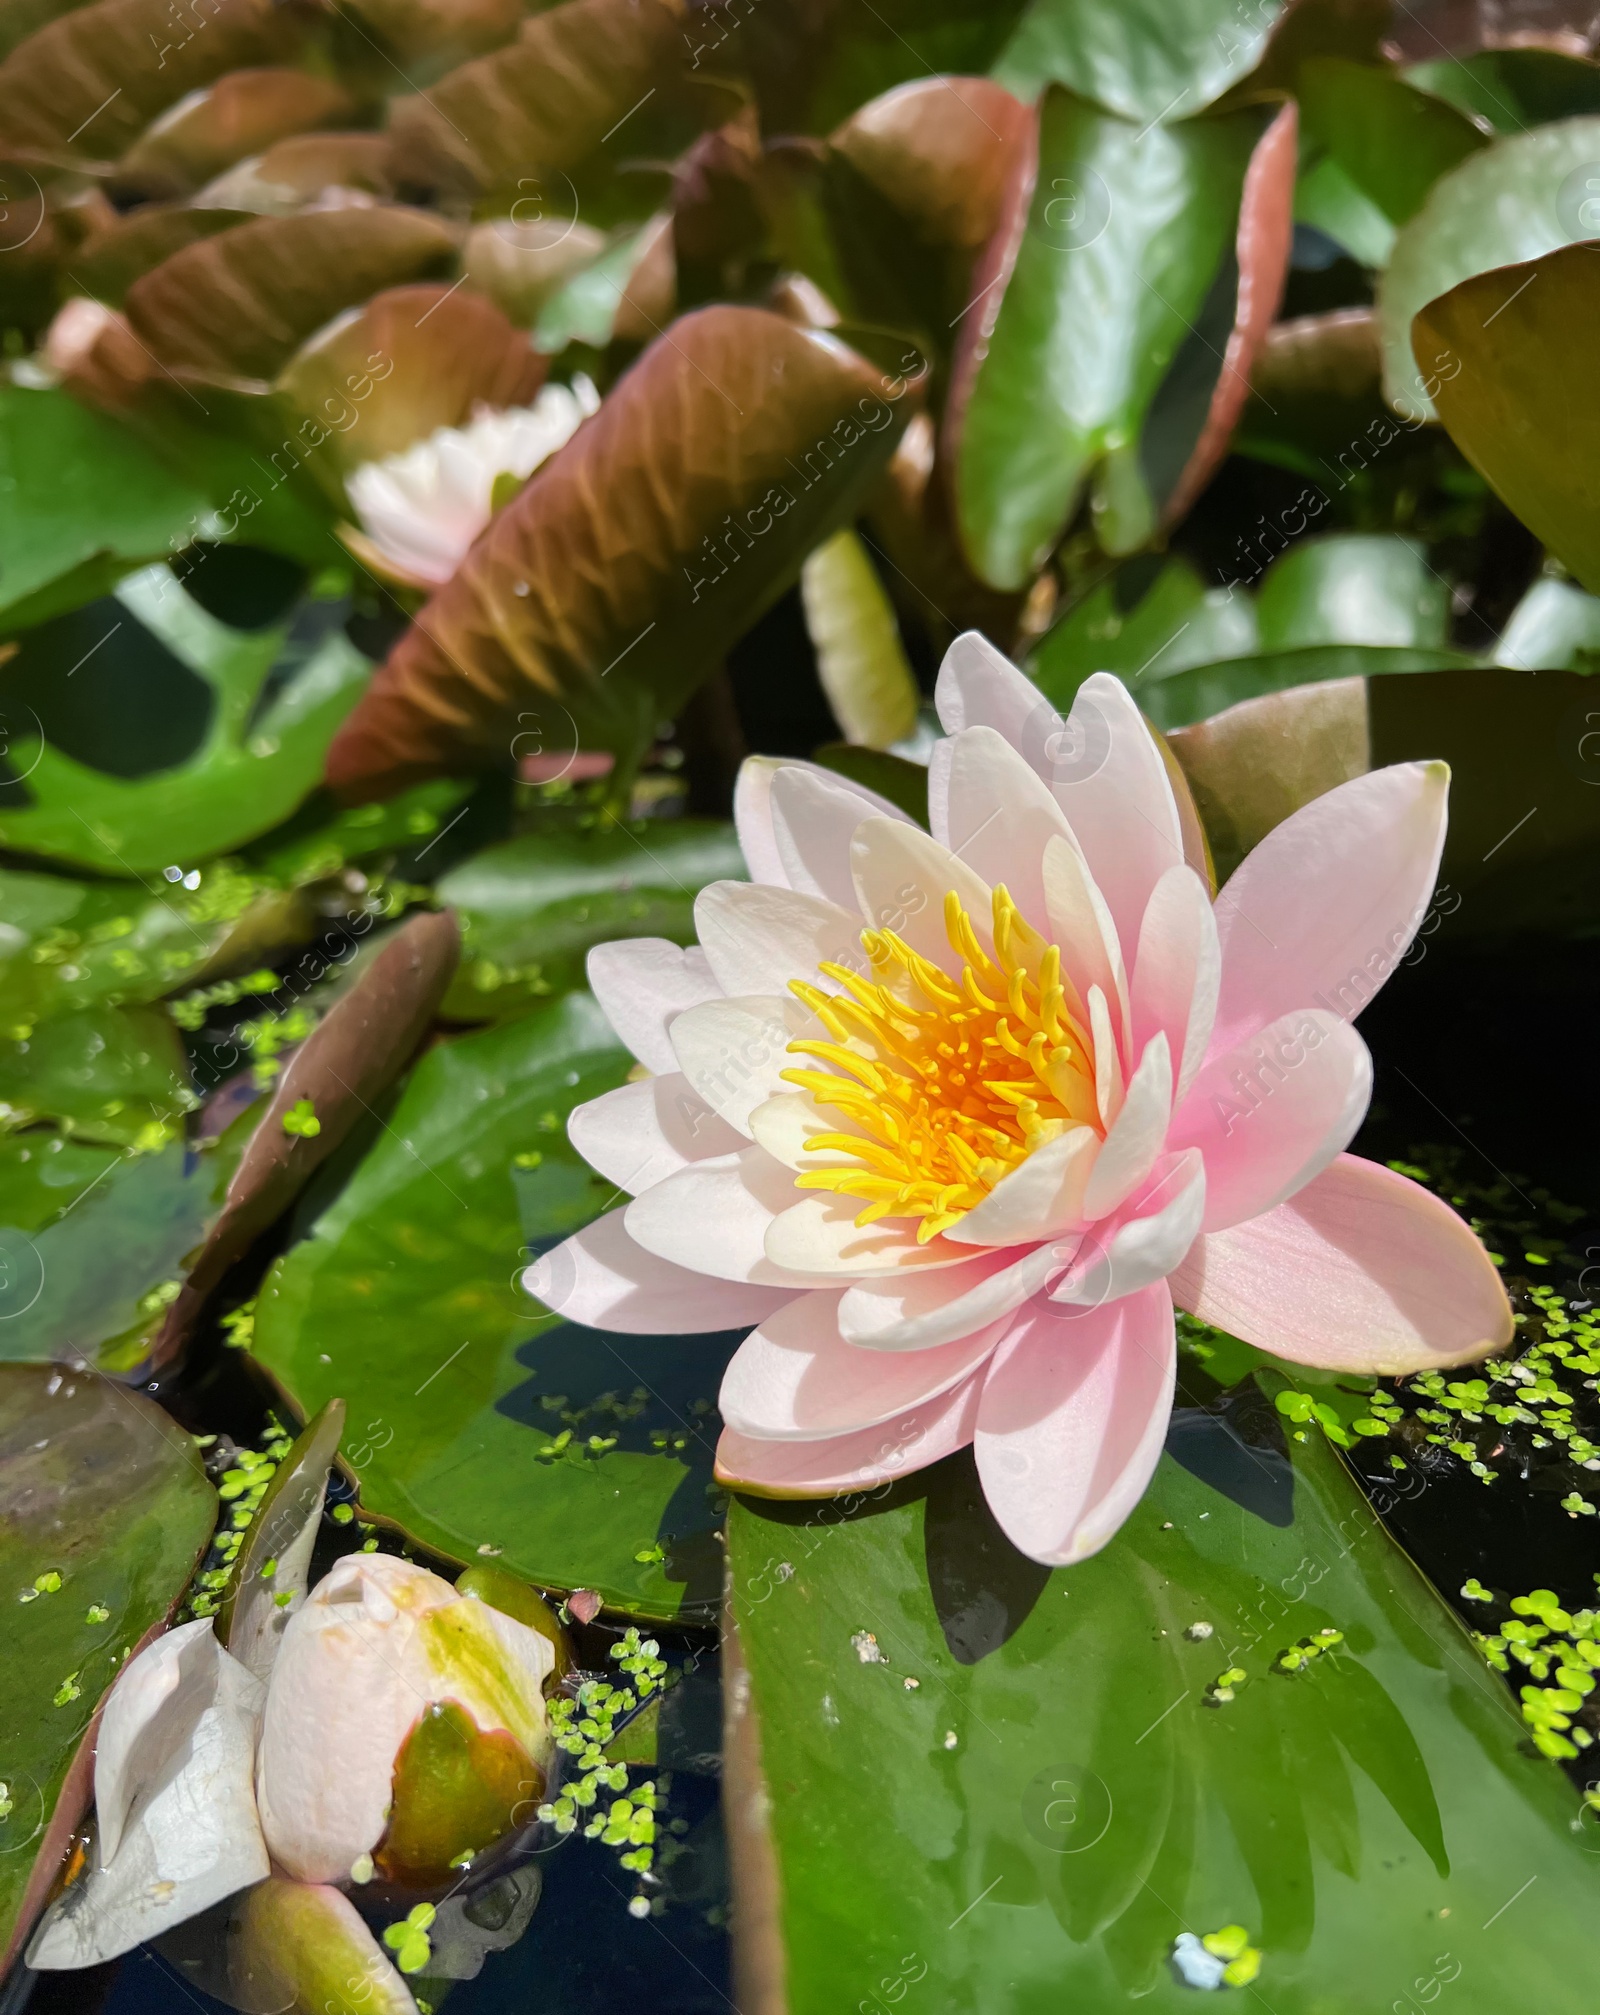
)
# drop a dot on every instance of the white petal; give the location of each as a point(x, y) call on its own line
point(1176, 972)
point(713, 1218)
point(758, 939)
point(1135, 1137)
point(734, 1052)
point(814, 819)
point(902, 877)
point(918, 1311)
point(1108, 1091)
point(641, 983)
point(1072, 1420)
point(1038, 1198)
point(1080, 923)
point(797, 1379)
point(1149, 1240)
point(785, 1123)
point(819, 1235)
point(992, 810)
point(979, 687)
point(175, 1773)
point(752, 820)
point(601, 1278)
point(641, 1133)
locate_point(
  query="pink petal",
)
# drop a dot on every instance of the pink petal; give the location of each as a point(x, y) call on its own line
point(1363, 1271)
point(986, 805)
point(814, 818)
point(733, 1053)
point(601, 1278)
point(758, 939)
point(1146, 1239)
point(1271, 1114)
point(713, 1217)
point(925, 1309)
point(1136, 1135)
point(752, 820)
point(1320, 913)
point(797, 1379)
point(873, 1455)
point(1109, 777)
point(1080, 923)
point(902, 877)
point(641, 983)
point(1072, 1419)
point(1176, 971)
point(979, 687)
point(641, 1133)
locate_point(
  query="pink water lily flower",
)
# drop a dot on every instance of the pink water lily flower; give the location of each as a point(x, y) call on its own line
point(954, 1119)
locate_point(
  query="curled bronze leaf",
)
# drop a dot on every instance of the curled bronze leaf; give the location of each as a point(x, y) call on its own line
point(110, 260)
point(598, 599)
point(544, 103)
point(428, 354)
point(239, 305)
point(439, 32)
point(940, 150)
point(304, 169)
point(1335, 355)
point(86, 86)
point(364, 1042)
point(241, 114)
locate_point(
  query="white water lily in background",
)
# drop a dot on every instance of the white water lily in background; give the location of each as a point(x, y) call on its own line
point(955, 1119)
point(206, 1780)
point(423, 508)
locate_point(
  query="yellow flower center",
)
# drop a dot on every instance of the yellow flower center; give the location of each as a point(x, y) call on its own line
point(952, 1083)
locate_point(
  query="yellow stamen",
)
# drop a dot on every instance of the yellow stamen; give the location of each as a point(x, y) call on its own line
point(952, 1082)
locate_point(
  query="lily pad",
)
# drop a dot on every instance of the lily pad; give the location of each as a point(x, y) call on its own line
point(1077, 1785)
point(104, 1492)
point(257, 755)
point(81, 502)
point(531, 909)
point(104, 1073)
point(476, 1424)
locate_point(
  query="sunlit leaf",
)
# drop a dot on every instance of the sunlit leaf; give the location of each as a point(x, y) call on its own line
point(861, 661)
point(105, 1073)
point(103, 1489)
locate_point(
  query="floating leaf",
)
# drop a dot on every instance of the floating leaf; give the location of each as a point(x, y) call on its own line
point(1515, 201)
point(1082, 1790)
point(103, 1489)
point(341, 1072)
point(253, 764)
point(475, 1422)
point(105, 1073)
point(81, 502)
point(1144, 59)
point(602, 594)
point(861, 661)
point(532, 908)
point(237, 306)
point(1518, 402)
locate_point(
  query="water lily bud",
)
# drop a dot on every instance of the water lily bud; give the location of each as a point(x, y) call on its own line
point(404, 1722)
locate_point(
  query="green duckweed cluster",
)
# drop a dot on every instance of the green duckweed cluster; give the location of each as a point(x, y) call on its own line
point(408, 1940)
point(1559, 1650)
point(241, 1485)
point(609, 1410)
point(584, 1725)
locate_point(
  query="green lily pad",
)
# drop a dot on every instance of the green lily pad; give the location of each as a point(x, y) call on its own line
point(1515, 201)
point(1554, 628)
point(1326, 198)
point(1147, 59)
point(102, 1490)
point(1150, 620)
point(1038, 1779)
point(531, 909)
point(255, 760)
point(1127, 232)
point(1391, 138)
point(476, 1424)
point(81, 502)
point(104, 1073)
point(94, 1240)
point(1519, 403)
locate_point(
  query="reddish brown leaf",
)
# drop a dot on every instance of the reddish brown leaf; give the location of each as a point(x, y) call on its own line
point(1335, 355)
point(941, 151)
point(86, 86)
point(304, 169)
point(239, 305)
point(428, 354)
point(108, 263)
point(358, 1050)
point(1261, 249)
point(241, 114)
point(440, 32)
point(615, 581)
